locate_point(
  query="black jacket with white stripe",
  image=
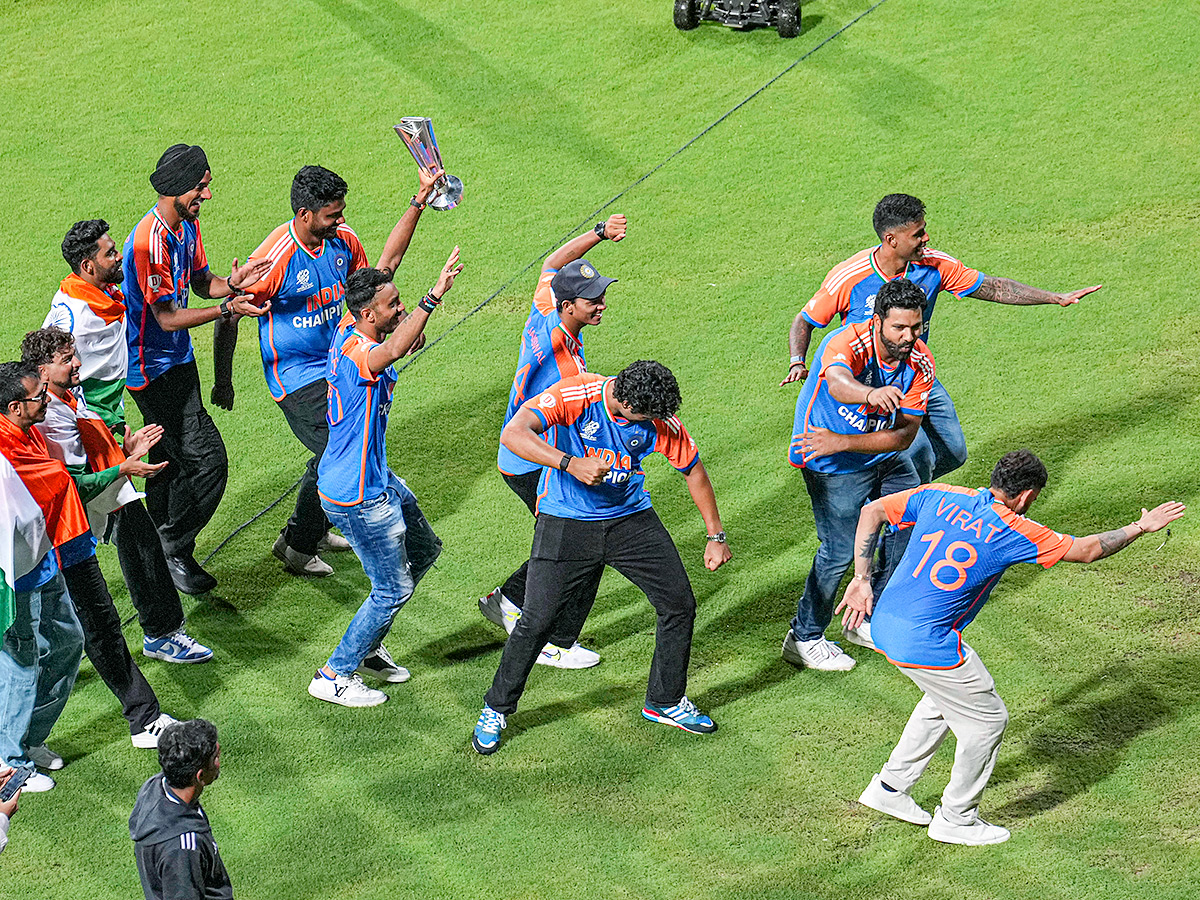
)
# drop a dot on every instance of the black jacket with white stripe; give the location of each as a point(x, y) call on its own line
point(177, 858)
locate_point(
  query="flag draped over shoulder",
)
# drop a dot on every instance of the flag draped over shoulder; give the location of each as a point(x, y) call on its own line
point(23, 537)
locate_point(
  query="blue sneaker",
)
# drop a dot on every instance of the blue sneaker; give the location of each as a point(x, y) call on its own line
point(177, 648)
point(486, 738)
point(682, 715)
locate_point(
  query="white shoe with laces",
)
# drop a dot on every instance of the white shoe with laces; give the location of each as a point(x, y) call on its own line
point(821, 654)
point(976, 834)
point(499, 610)
point(344, 690)
point(148, 739)
point(37, 783)
point(574, 657)
point(381, 665)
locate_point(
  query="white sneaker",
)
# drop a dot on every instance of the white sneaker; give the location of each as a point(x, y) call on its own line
point(976, 834)
point(860, 635)
point(821, 654)
point(381, 665)
point(573, 657)
point(345, 690)
point(298, 563)
point(45, 758)
point(37, 783)
point(148, 739)
point(896, 804)
point(499, 610)
point(333, 543)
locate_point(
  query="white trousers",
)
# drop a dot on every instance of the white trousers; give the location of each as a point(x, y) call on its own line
point(962, 700)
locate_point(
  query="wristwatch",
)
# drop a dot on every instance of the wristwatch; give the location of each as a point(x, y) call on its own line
point(718, 538)
point(226, 310)
point(416, 203)
point(564, 462)
point(599, 229)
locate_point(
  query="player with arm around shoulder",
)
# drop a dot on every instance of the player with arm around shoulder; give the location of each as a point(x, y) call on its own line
point(593, 511)
point(962, 542)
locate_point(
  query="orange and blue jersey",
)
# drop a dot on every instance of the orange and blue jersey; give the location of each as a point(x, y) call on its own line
point(849, 289)
point(853, 346)
point(548, 354)
point(354, 466)
point(962, 541)
point(159, 266)
point(306, 291)
point(583, 426)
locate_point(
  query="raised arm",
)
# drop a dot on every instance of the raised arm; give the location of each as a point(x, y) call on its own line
point(1013, 293)
point(614, 230)
point(397, 243)
point(406, 335)
point(1098, 546)
point(716, 553)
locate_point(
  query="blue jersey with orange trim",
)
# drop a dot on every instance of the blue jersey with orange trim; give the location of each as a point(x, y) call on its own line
point(306, 291)
point(849, 289)
point(853, 346)
point(354, 466)
point(159, 266)
point(962, 541)
point(548, 354)
point(587, 428)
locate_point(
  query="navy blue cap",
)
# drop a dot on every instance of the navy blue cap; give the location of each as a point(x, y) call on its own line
point(577, 279)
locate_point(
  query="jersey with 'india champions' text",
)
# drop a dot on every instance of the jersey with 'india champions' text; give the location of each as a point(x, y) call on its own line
point(589, 429)
point(853, 346)
point(354, 466)
point(306, 291)
point(849, 289)
point(962, 541)
point(548, 354)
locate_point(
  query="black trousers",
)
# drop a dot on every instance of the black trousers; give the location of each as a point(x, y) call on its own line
point(305, 411)
point(144, 567)
point(105, 645)
point(568, 626)
point(183, 497)
point(568, 558)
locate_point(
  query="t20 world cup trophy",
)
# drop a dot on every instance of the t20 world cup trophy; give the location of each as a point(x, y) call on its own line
point(418, 137)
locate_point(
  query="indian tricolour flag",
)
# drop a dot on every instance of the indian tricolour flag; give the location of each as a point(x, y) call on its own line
point(23, 537)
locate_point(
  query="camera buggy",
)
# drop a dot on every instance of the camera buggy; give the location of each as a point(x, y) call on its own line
point(782, 15)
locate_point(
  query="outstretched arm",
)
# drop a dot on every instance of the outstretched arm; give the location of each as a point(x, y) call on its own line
point(614, 230)
point(716, 553)
point(1098, 546)
point(1013, 293)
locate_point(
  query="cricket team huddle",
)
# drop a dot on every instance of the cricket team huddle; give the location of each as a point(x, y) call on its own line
point(874, 430)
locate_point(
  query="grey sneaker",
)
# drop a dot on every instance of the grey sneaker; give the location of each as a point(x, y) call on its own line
point(45, 758)
point(298, 563)
point(896, 804)
point(381, 665)
point(334, 543)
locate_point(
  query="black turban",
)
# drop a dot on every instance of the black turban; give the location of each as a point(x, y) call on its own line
point(179, 170)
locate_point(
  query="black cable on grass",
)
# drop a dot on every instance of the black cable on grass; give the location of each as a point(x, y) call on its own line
point(586, 219)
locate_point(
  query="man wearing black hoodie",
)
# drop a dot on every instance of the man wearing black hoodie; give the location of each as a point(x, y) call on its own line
point(177, 858)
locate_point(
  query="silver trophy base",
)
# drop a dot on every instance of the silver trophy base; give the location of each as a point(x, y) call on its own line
point(448, 194)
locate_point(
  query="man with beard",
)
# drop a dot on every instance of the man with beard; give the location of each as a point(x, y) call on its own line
point(164, 257)
point(101, 470)
point(364, 498)
point(310, 258)
point(860, 408)
point(851, 289)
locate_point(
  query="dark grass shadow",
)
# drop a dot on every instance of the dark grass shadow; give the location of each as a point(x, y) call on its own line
point(1081, 735)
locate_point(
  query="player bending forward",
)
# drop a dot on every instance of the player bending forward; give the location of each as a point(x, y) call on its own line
point(962, 541)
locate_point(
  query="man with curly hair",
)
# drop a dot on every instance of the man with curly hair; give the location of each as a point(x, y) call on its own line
point(594, 510)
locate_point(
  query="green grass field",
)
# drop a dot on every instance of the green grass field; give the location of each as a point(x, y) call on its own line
point(1053, 142)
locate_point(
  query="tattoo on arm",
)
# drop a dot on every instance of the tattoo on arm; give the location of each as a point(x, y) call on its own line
point(1005, 290)
point(1112, 541)
point(866, 549)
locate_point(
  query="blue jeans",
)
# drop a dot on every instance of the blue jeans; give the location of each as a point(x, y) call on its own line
point(39, 660)
point(837, 501)
point(939, 447)
point(396, 547)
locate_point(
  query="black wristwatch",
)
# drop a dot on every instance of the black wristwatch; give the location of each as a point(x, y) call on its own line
point(226, 310)
point(599, 229)
point(415, 203)
point(564, 462)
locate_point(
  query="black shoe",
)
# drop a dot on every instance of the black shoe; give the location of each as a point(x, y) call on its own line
point(189, 578)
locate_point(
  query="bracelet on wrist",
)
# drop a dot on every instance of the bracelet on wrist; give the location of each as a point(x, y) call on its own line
point(429, 302)
point(416, 204)
point(858, 577)
point(797, 360)
point(1138, 526)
